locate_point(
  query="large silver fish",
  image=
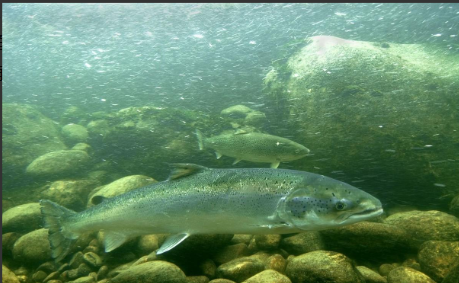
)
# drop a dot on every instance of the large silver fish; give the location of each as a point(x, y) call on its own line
point(255, 147)
point(201, 200)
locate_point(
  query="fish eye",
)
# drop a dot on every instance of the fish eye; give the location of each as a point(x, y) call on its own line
point(340, 205)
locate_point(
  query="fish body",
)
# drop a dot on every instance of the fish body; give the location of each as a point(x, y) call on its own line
point(255, 147)
point(201, 200)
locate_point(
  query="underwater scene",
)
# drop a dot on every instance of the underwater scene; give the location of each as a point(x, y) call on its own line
point(230, 143)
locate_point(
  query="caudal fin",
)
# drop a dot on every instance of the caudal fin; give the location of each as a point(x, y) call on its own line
point(54, 216)
point(200, 139)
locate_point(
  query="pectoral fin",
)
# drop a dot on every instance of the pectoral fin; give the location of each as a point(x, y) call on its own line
point(275, 164)
point(172, 242)
point(113, 240)
point(218, 154)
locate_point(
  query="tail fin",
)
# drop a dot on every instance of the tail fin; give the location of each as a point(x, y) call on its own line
point(54, 216)
point(200, 139)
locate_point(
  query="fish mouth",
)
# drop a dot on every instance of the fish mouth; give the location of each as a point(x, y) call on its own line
point(367, 213)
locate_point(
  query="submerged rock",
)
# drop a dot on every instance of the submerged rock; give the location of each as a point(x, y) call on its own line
point(240, 269)
point(71, 194)
point(33, 247)
point(151, 272)
point(58, 164)
point(8, 276)
point(22, 219)
point(74, 133)
point(370, 275)
point(268, 276)
point(407, 274)
point(323, 266)
point(118, 187)
point(438, 258)
point(426, 225)
point(303, 243)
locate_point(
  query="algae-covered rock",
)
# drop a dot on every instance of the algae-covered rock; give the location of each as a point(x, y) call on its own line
point(370, 275)
point(33, 247)
point(240, 269)
point(58, 164)
point(230, 252)
point(22, 219)
point(8, 276)
point(267, 242)
point(268, 276)
point(74, 133)
point(367, 238)
point(151, 272)
point(322, 266)
point(454, 206)
point(26, 135)
point(118, 187)
point(71, 194)
point(303, 243)
point(407, 275)
point(438, 258)
point(376, 108)
point(426, 225)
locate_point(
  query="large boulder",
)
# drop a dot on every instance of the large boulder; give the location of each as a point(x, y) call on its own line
point(151, 272)
point(376, 107)
point(26, 135)
point(33, 247)
point(22, 218)
point(72, 194)
point(438, 258)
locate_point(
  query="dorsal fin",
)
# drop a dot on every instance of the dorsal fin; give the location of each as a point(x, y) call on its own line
point(180, 170)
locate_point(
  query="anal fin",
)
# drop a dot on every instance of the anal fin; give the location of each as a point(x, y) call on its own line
point(275, 164)
point(172, 242)
point(218, 154)
point(113, 240)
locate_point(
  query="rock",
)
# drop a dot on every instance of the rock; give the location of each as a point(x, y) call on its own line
point(453, 275)
point(230, 252)
point(33, 247)
point(201, 245)
point(236, 111)
point(367, 238)
point(276, 262)
point(268, 276)
point(208, 268)
point(303, 243)
point(8, 276)
point(454, 206)
point(334, 73)
point(322, 266)
point(22, 219)
point(39, 276)
point(85, 279)
point(147, 244)
point(370, 275)
point(437, 258)
point(405, 274)
point(74, 133)
point(197, 279)
point(71, 194)
point(267, 242)
point(385, 268)
point(27, 134)
point(241, 238)
point(240, 269)
point(221, 280)
point(151, 272)
point(426, 225)
point(58, 164)
point(118, 187)
point(92, 259)
point(8, 240)
point(411, 262)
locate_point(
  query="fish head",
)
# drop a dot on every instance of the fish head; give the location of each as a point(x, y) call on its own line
point(328, 203)
point(291, 151)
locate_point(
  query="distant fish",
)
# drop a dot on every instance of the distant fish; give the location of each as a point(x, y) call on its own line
point(255, 147)
point(201, 200)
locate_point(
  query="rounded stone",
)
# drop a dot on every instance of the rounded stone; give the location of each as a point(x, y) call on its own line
point(426, 225)
point(8, 276)
point(405, 274)
point(22, 218)
point(118, 187)
point(33, 247)
point(230, 252)
point(74, 133)
point(151, 272)
point(71, 194)
point(370, 275)
point(438, 258)
point(276, 262)
point(267, 242)
point(240, 269)
point(323, 266)
point(147, 244)
point(268, 276)
point(59, 163)
point(303, 243)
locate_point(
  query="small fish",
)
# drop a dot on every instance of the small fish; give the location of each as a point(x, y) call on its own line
point(255, 147)
point(201, 200)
